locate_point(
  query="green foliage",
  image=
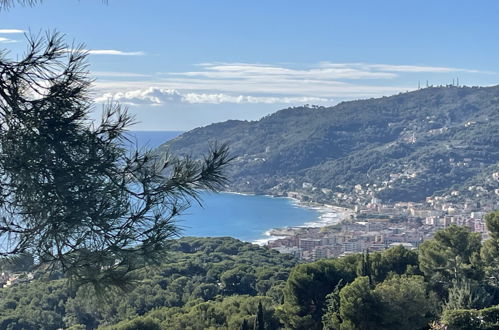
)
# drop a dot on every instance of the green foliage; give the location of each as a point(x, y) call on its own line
point(140, 323)
point(396, 260)
point(239, 280)
point(245, 325)
point(77, 327)
point(405, 303)
point(33, 306)
point(203, 283)
point(461, 319)
point(364, 268)
point(306, 290)
point(453, 254)
point(260, 318)
point(359, 306)
point(331, 319)
point(302, 299)
point(471, 319)
point(19, 263)
point(233, 312)
point(492, 221)
point(467, 295)
point(181, 284)
point(490, 248)
point(72, 195)
point(400, 302)
point(363, 142)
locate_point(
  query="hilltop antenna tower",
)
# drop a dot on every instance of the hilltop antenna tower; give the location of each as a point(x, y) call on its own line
point(413, 138)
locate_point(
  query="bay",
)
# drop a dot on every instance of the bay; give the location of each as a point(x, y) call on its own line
point(245, 217)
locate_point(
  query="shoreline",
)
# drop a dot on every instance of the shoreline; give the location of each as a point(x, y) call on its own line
point(328, 215)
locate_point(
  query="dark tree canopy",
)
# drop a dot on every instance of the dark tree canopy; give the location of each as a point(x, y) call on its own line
point(490, 248)
point(453, 254)
point(70, 192)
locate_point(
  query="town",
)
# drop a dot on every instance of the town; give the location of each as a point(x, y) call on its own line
point(373, 225)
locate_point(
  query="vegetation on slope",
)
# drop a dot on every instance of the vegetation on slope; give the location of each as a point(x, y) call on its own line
point(194, 270)
point(222, 283)
point(439, 137)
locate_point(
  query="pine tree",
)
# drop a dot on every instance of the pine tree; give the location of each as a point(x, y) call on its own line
point(332, 318)
point(365, 266)
point(259, 320)
point(245, 325)
point(467, 295)
point(490, 248)
point(70, 192)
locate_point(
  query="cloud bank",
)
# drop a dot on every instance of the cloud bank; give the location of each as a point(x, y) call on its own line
point(158, 96)
point(11, 31)
point(7, 40)
point(113, 52)
point(238, 83)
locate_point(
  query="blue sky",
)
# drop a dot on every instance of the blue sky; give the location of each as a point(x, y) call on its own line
point(182, 64)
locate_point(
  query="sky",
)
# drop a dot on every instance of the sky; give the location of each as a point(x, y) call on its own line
point(182, 64)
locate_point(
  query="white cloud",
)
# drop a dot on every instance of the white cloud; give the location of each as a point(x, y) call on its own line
point(158, 96)
point(7, 40)
point(224, 98)
point(278, 87)
point(324, 71)
point(114, 52)
point(150, 96)
point(238, 83)
point(11, 31)
point(252, 71)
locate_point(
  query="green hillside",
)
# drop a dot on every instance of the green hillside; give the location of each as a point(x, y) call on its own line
point(222, 283)
point(408, 146)
point(193, 270)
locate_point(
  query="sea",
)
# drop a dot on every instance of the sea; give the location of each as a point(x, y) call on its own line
point(246, 217)
point(150, 139)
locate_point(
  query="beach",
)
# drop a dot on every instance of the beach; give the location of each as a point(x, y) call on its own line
point(328, 215)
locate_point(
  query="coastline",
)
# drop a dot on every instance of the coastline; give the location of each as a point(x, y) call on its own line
point(328, 215)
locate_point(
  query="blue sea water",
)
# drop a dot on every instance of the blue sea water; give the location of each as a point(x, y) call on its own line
point(245, 217)
point(151, 139)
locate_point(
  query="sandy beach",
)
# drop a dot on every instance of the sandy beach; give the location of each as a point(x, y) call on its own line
point(328, 215)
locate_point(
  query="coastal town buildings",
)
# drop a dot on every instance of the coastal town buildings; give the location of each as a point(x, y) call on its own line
point(373, 225)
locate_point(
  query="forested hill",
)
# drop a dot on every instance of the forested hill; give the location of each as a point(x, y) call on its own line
point(222, 283)
point(407, 146)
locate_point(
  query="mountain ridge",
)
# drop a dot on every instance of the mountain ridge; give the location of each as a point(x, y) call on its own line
point(404, 147)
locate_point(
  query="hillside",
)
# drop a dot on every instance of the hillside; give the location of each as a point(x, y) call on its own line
point(194, 270)
point(223, 283)
point(400, 148)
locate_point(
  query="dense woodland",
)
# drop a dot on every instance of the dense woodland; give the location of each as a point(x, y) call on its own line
point(426, 132)
point(223, 283)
